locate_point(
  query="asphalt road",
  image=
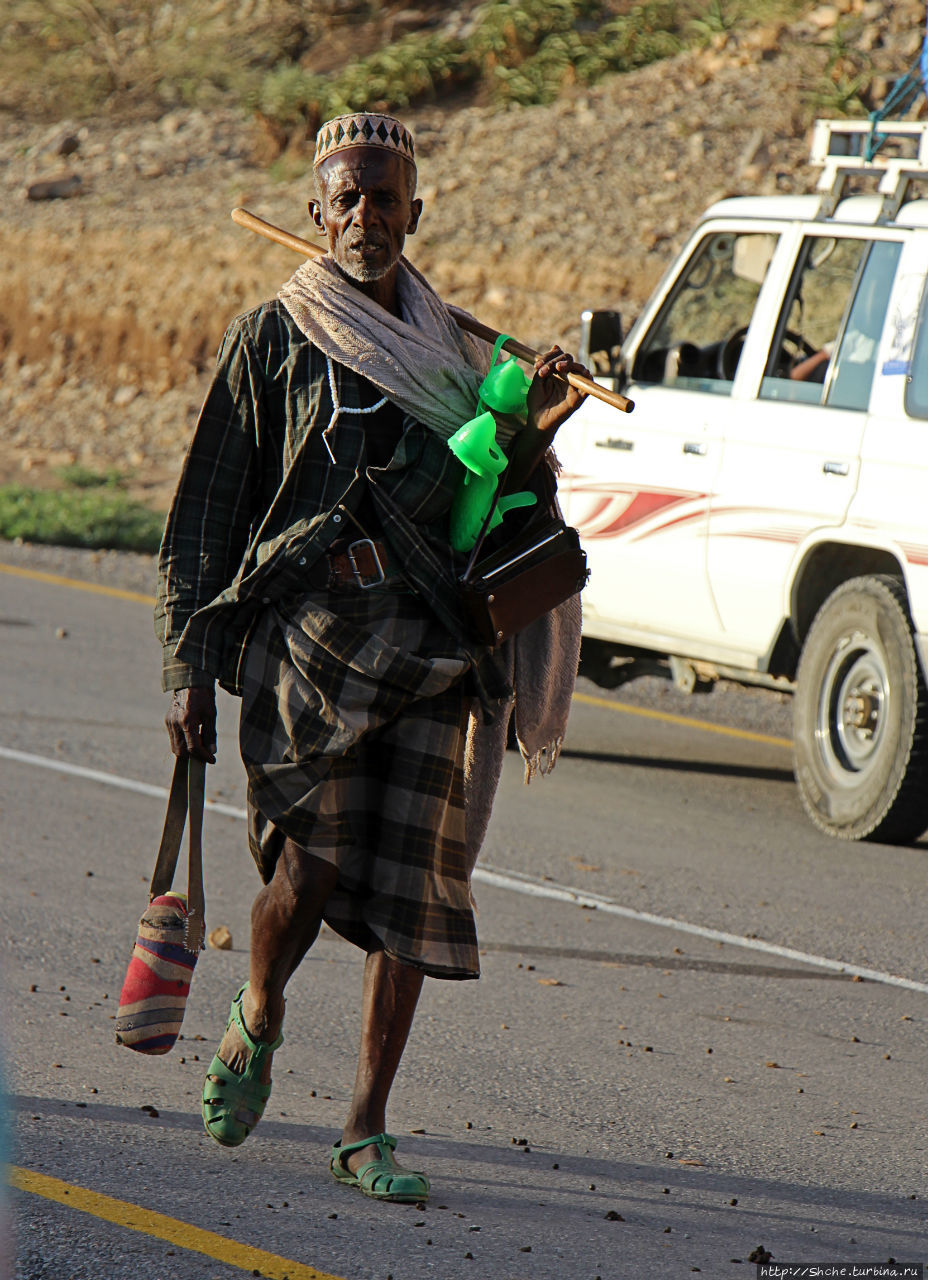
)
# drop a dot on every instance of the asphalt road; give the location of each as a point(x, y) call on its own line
point(628, 1092)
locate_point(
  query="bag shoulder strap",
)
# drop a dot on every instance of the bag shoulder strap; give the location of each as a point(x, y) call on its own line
point(196, 903)
point(171, 836)
point(186, 798)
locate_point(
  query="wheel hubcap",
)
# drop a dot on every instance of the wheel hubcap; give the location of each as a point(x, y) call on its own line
point(852, 709)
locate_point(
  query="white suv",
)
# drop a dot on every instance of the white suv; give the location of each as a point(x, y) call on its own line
point(763, 513)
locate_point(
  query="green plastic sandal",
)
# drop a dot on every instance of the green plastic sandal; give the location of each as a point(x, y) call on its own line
point(383, 1179)
point(225, 1094)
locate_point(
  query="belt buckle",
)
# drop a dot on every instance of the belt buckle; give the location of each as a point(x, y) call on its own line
point(358, 573)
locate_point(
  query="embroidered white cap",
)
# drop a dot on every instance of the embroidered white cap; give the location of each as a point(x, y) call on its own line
point(364, 129)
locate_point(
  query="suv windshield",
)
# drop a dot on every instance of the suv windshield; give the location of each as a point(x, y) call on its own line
point(696, 340)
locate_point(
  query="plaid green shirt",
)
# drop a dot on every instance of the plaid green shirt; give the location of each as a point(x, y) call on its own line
point(259, 500)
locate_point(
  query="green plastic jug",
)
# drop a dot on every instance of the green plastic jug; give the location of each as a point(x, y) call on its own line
point(475, 445)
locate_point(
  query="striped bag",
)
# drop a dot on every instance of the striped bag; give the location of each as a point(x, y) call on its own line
point(171, 931)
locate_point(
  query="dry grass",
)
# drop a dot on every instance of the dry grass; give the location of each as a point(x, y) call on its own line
point(74, 57)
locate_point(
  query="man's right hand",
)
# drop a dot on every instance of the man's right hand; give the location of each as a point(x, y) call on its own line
point(191, 722)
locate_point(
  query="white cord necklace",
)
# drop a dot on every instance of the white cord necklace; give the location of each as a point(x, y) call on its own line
point(338, 408)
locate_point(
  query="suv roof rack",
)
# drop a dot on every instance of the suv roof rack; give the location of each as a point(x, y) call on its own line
point(845, 149)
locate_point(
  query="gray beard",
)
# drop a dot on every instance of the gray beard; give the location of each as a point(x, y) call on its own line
point(366, 273)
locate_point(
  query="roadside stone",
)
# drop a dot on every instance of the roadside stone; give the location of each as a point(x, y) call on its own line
point(824, 17)
point(56, 188)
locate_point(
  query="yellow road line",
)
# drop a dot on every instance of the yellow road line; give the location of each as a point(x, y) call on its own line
point(57, 581)
point(744, 734)
point(182, 1234)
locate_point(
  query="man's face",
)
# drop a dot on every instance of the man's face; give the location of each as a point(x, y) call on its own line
point(366, 210)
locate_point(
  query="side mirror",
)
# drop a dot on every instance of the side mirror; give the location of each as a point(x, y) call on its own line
point(601, 343)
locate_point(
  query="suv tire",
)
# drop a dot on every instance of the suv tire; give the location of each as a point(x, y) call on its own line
point(860, 724)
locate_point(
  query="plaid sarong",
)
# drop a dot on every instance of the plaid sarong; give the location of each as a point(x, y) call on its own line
point(354, 714)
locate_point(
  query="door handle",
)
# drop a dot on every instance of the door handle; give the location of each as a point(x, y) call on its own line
point(612, 443)
point(835, 468)
point(697, 447)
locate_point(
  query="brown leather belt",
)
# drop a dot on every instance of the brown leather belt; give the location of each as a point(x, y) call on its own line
point(363, 563)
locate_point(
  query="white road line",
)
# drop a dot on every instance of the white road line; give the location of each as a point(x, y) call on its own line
point(516, 882)
point(534, 888)
point(110, 779)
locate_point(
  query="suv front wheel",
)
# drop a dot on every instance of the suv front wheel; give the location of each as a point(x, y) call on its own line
point(860, 726)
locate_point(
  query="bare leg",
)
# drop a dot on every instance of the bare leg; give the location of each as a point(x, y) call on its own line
point(391, 992)
point(285, 921)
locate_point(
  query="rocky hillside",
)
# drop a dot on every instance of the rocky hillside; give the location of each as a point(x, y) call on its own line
point(115, 298)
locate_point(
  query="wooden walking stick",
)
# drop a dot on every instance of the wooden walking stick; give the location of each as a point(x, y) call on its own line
point(267, 229)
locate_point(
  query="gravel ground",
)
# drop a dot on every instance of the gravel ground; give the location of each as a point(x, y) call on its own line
point(123, 570)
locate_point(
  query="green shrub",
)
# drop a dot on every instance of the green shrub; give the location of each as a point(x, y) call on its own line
point(415, 67)
point(520, 51)
point(842, 87)
point(98, 517)
point(290, 96)
point(718, 18)
point(80, 477)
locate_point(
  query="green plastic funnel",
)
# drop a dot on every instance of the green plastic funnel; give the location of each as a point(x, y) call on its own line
point(505, 387)
point(475, 445)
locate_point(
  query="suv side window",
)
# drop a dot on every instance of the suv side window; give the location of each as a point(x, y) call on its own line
point(696, 340)
point(825, 345)
point(916, 383)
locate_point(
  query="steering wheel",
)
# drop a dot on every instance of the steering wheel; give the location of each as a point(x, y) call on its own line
point(729, 352)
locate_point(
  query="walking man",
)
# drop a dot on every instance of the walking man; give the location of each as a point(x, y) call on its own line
point(306, 565)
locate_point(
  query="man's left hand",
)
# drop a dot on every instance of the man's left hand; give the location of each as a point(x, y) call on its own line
point(551, 399)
